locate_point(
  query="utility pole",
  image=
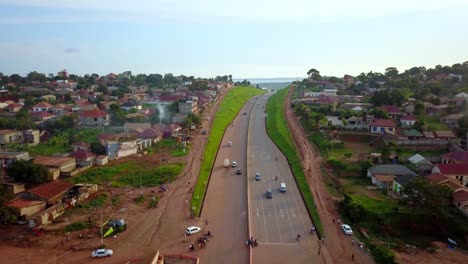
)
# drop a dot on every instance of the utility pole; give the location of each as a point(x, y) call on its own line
point(102, 236)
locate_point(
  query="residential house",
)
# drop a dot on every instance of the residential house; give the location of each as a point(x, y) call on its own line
point(135, 127)
point(13, 188)
point(455, 157)
point(48, 98)
point(50, 192)
point(25, 209)
point(188, 106)
point(382, 126)
point(32, 137)
point(39, 117)
point(83, 158)
point(41, 107)
point(131, 104)
point(7, 158)
point(334, 121)
point(400, 182)
point(412, 134)
point(80, 145)
point(460, 200)
point(451, 120)
point(408, 107)
point(462, 95)
point(151, 133)
point(56, 165)
point(119, 145)
point(394, 112)
point(383, 175)
point(408, 121)
point(324, 100)
point(433, 110)
point(94, 118)
point(102, 160)
point(60, 109)
point(456, 172)
point(13, 108)
point(348, 80)
point(8, 136)
point(423, 166)
point(441, 179)
point(445, 134)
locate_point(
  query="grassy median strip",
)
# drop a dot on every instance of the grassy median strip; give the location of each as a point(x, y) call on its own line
point(228, 109)
point(278, 131)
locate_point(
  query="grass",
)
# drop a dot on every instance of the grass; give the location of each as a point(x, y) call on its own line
point(278, 131)
point(97, 202)
point(378, 206)
point(228, 109)
point(434, 124)
point(130, 173)
point(76, 226)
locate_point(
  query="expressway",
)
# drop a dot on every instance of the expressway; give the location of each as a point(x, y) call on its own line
point(276, 222)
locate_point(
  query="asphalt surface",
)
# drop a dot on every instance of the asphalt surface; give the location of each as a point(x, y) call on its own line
point(276, 222)
point(225, 206)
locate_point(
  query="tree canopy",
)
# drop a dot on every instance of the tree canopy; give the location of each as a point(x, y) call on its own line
point(28, 172)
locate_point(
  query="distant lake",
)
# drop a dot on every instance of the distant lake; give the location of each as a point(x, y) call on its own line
point(270, 80)
point(271, 83)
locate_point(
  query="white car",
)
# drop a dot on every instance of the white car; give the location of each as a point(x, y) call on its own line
point(192, 230)
point(98, 253)
point(234, 164)
point(347, 229)
point(229, 144)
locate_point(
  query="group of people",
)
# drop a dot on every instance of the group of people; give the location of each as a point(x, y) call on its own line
point(201, 241)
point(251, 242)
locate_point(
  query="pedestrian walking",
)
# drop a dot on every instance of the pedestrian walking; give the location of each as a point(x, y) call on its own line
point(318, 252)
point(339, 221)
point(352, 242)
point(206, 221)
point(333, 220)
point(352, 257)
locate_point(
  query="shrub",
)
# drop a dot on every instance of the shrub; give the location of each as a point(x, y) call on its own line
point(382, 254)
point(76, 226)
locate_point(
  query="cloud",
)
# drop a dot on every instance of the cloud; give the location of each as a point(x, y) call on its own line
point(71, 50)
point(241, 10)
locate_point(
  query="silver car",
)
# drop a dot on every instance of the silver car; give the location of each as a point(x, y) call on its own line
point(102, 252)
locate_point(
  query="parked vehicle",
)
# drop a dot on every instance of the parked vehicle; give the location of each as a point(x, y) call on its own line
point(234, 164)
point(226, 163)
point(269, 194)
point(347, 229)
point(204, 132)
point(192, 230)
point(229, 144)
point(257, 176)
point(99, 253)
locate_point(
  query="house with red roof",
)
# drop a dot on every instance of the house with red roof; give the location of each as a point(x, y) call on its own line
point(382, 126)
point(460, 200)
point(41, 107)
point(456, 172)
point(83, 158)
point(408, 121)
point(13, 108)
point(94, 118)
point(50, 192)
point(392, 110)
point(455, 157)
point(24, 209)
point(42, 116)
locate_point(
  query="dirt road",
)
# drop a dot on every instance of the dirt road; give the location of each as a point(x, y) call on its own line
point(338, 245)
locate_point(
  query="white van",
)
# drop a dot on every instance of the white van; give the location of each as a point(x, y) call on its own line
point(283, 187)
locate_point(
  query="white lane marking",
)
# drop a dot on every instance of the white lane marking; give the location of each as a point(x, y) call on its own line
point(281, 212)
point(292, 212)
point(279, 244)
point(258, 214)
point(277, 222)
point(289, 218)
point(264, 222)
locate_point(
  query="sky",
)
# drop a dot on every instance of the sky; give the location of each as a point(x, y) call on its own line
point(244, 38)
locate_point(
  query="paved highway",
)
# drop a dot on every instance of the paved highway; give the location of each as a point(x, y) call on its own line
point(276, 222)
point(225, 205)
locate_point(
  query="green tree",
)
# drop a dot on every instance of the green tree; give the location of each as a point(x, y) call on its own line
point(28, 172)
point(391, 72)
point(6, 213)
point(314, 74)
point(97, 148)
point(421, 193)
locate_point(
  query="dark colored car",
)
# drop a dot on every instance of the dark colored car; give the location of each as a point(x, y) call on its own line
point(238, 171)
point(257, 176)
point(269, 194)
